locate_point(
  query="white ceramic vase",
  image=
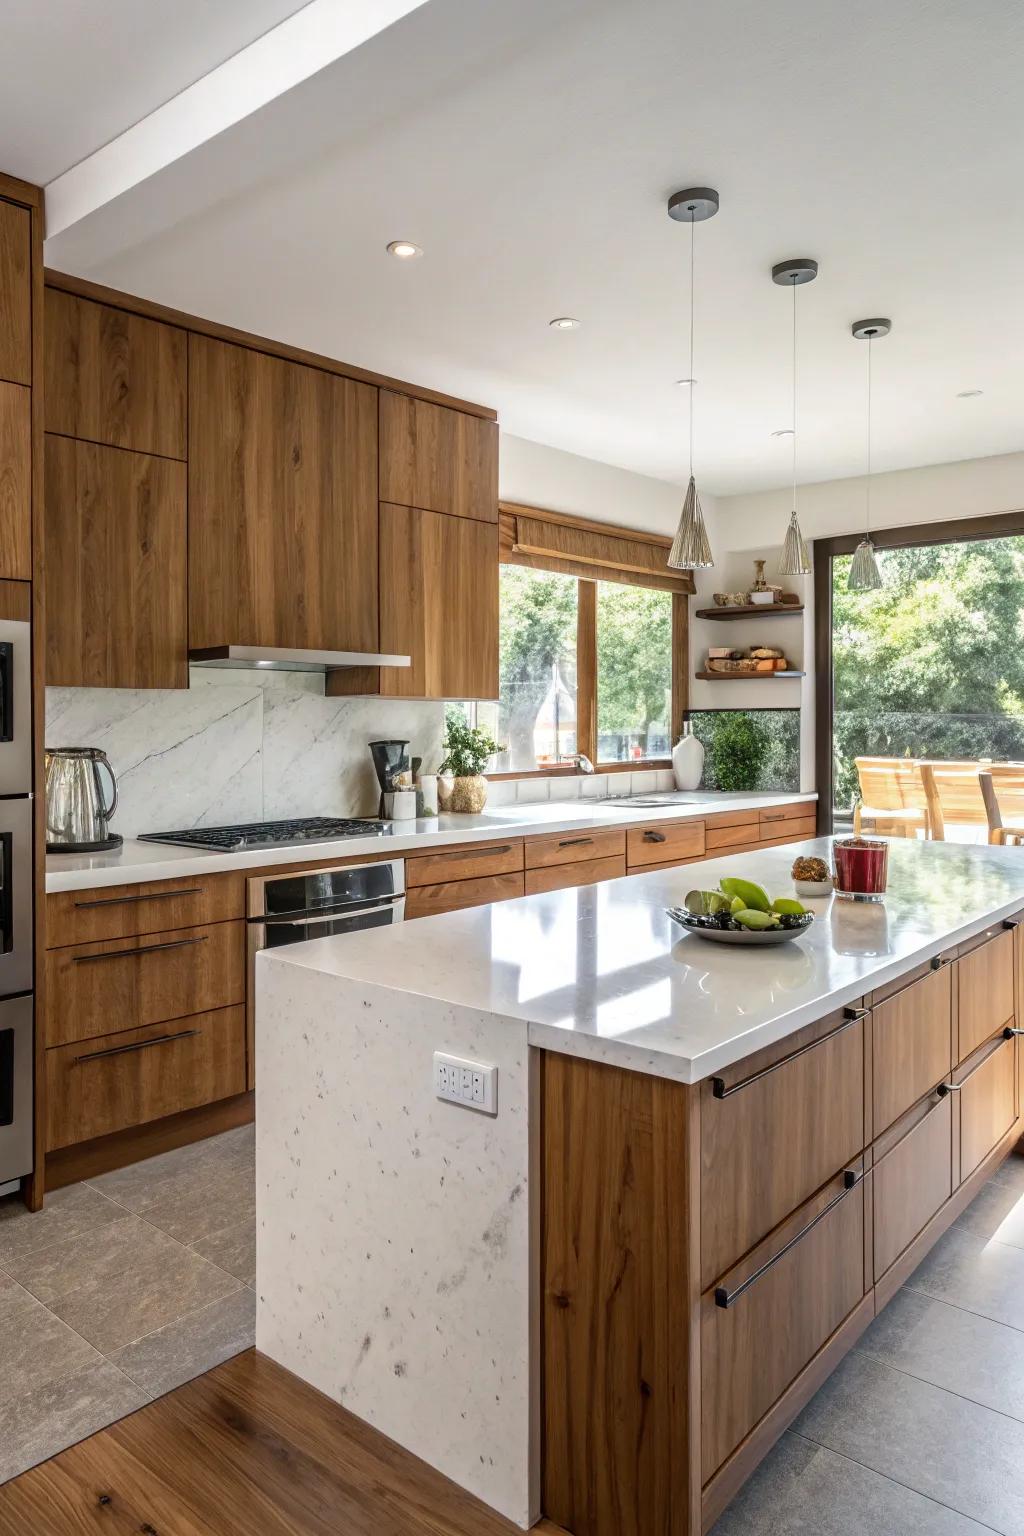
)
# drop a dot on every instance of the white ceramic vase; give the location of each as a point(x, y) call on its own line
point(688, 760)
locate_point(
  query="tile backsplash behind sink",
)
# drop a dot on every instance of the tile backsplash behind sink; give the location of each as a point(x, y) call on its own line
point(597, 786)
point(238, 746)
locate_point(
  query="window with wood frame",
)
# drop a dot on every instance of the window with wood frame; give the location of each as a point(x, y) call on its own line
point(594, 656)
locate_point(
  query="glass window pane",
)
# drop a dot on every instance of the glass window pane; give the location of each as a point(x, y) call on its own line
point(634, 673)
point(537, 669)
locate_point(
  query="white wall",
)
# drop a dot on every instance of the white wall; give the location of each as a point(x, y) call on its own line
point(539, 476)
point(755, 526)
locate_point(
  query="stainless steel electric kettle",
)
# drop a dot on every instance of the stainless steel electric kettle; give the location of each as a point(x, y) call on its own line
point(77, 814)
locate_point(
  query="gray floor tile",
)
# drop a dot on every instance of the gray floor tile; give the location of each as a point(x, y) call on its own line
point(191, 1345)
point(951, 1348)
point(951, 1450)
point(207, 1204)
point(997, 1211)
point(1010, 1171)
point(67, 1213)
point(172, 1172)
point(12, 1295)
point(233, 1250)
point(976, 1273)
point(49, 1417)
point(36, 1347)
point(53, 1271)
point(802, 1489)
point(164, 1282)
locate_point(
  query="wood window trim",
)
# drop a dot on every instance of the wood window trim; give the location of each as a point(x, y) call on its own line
point(588, 573)
point(992, 525)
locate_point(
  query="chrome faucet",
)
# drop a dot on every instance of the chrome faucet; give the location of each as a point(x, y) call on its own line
point(583, 763)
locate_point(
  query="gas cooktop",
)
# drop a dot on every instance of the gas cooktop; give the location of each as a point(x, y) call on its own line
point(269, 834)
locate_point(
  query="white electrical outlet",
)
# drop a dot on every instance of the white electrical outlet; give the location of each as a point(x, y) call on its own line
point(473, 1084)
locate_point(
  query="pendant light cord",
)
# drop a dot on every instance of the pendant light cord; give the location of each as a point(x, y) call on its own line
point(794, 393)
point(692, 380)
point(867, 487)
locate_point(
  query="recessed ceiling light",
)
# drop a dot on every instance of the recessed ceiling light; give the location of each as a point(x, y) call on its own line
point(783, 432)
point(564, 323)
point(969, 394)
point(404, 250)
point(685, 383)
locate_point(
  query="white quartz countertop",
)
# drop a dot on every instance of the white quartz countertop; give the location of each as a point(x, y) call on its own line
point(136, 861)
point(603, 972)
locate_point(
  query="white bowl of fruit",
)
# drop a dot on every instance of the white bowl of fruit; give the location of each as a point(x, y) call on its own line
point(740, 912)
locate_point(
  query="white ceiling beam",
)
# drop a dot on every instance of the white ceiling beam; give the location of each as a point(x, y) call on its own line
point(299, 47)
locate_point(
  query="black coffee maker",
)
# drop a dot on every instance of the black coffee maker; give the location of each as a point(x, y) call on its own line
point(391, 762)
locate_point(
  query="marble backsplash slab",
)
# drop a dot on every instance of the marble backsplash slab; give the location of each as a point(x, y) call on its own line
point(238, 746)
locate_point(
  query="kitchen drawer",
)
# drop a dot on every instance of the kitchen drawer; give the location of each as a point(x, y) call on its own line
point(97, 989)
point(743, 838)
point(137, 1075)
point(988, 1103)
point(426, 900)
point(465, 864)
point(739, 818)
point(119, 911)
point(571, 847)
point(800, 1286)
point(774, 1128)
point(669, 843)
point(984, 991)
point(557, 877)
point(911, 1044)
point(789, 829)
point(770, 817)
point(912, 1178)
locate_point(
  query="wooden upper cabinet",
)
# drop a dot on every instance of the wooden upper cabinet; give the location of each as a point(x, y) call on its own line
point(15, 294)
point(282, 514)
point(438, 604)
point(115, 569)
point(112, 377)
point(437, 459)
point(15, 482)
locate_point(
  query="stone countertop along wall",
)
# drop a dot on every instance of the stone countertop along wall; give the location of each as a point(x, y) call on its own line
point(238, 746)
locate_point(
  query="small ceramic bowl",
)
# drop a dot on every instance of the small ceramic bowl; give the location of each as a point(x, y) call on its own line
point(810, 888)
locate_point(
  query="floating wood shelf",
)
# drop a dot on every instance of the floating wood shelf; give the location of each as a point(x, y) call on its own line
point(750, 610)
point(744, 677)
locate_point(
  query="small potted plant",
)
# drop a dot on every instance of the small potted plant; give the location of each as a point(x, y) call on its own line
point(461, 786)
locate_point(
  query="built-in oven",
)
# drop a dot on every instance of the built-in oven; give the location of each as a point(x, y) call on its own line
point(15, 895)
point(15, 707)
point(289, 909)
point(15, 1089)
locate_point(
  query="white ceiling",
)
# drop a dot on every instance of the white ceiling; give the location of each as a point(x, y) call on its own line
point(77, 72)
point(529, 146)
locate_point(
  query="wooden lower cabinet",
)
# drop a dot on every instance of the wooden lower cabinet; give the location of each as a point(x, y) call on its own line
point(912, 1046)
point(453, 895)
point(560, 877)
point(985, 989)
point(767, 1318)
point(471, 863)
point(667, 843)
point(987, 1090)
point(912, 1178)
point(119, 911)
point(104, 1085)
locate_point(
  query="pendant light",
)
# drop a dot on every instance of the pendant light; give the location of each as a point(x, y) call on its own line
point(864, 573)
point(795, 559)
point(691, 549)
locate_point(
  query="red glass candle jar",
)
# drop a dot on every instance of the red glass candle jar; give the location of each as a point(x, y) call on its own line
point(861, 868)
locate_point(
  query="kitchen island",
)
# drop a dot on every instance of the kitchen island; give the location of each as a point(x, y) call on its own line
point(708, 1169)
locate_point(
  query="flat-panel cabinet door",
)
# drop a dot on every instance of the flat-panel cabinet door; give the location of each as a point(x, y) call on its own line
point(987, 1094)
point(912, 1047)
point(15, 482)
point(437, 459)
point(985, 991)
point(438, 604)
point(282, 512)
point(115, 568)
point(913, 1179)
point(15, 294)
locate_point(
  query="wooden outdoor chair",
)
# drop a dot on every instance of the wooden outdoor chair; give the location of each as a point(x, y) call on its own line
point(1002, 791)
point(892, 797)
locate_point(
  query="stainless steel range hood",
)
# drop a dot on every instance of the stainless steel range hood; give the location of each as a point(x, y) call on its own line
point(274, 659)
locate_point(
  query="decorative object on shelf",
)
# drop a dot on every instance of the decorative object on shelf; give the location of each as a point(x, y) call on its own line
point(688, 759)
point(865, 575)
point(795, 559)
point(731, 599)
point(812, 877)
point(691, 549)
point(461, 786)
point(755, 661)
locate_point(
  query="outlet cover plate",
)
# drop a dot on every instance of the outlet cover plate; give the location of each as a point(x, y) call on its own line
point(472, 1084)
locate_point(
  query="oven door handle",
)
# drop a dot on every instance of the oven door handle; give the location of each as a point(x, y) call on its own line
point(331, 917)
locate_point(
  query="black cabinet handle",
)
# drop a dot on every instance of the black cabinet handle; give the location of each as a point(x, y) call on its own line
point(726, 1298)
point(139, 1045)
point(574, 842)
point(133, 954)
point(122, 901)
point(654, 837)
point(1011, 922)
point(939, 963)
point(945, 1089)
point(719, 1089)
point(1010, 1031)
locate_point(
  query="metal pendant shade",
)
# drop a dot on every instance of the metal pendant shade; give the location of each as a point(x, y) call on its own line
point(864, 573)
point(691, 548)
point(796, 560)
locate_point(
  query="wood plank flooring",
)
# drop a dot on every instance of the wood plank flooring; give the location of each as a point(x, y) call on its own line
point(246, 1450)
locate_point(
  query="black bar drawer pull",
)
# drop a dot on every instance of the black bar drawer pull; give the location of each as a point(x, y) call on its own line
point(719, 1089)
point(133, 954)
point(654, 837)
point(1011, 922)
point(725, 1298)
point(139, 1045)
point(1010, 1031)
point(938, 963)
point(483, 853)
point(122, 901)
point(574, 842)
